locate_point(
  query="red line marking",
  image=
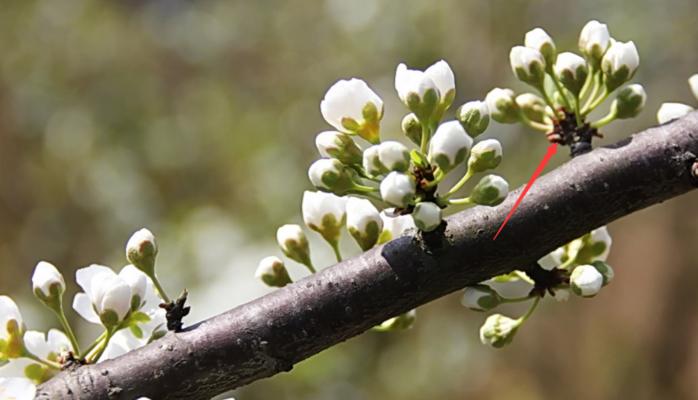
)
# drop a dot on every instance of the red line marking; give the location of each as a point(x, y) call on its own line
point(551, 151)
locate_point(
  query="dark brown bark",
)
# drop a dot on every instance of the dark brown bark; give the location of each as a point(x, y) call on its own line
point(269, 335)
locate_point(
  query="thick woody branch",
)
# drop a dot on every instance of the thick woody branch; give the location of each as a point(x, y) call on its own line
point(269, 335)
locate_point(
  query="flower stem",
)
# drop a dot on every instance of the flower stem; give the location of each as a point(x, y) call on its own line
point(530, 311)
point(60, 314)
point(102, 346)
point(94, 344)
point(561, 90)
point(463, 201)
point(424, 142)
point(335, 248)
point(610, 117)
point(50, 364)
point(469, 174)
point(159, 288)
point(587, 82)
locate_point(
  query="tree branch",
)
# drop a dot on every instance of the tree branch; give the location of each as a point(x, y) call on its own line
point(269, 335)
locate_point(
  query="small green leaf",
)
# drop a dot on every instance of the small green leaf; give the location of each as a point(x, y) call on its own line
point(139, 317)
point(136, 330)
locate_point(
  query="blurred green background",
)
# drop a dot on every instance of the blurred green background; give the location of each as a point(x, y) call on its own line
point(197, 120)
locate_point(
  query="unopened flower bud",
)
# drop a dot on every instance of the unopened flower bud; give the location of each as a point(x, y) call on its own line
point(671, 111)
point(594, 40)
point(605, 270)
point(449, 146)
point(502, 106)
point(394, 156)
point(498, 330)
point(364, 222)
point(351, 106)
point(427, 216)
point(11, 330)
point(141, 251)
point(532, 106)
point(272, 272)
point(572, 71)
point(48, 285)
point(528, 65)
point(552, 260)
point(490, 191)
point(485, 155)
point(294, 243)
point(593, 246)
point(474, 116)
point(442, 75)
point(334, 144)
point(399, 323)
point(330, 175)
point(586, 281)
point(619, 64)
point(629, 101)
point(412, 128)
point(398, 189)
point(324, 213)
point(418, 91)
point(693, 83)
point(480, 298)
point(394, 226)
point(538, 39)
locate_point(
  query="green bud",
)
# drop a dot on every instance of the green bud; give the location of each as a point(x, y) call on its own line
point(474, 116)
point(412, 128)
point(294, 243)
point(490, 191)
point(629, 102)
point(532, 106)
point(502, 106)
point(272, 272)
point(333, 144)
point(485, 155)
point(330, 175)
point(141, 251)
point(399, 323)
point(499, 330)
point(480, 298)
point(605, 270)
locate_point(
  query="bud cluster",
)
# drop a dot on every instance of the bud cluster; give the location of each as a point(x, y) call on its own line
point(579, 267)
point(379, 189)
point(125, 304)
point(570, 86)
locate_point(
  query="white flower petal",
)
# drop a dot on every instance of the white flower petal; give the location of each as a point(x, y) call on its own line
point(17, 389)
point(83, 305)
point(84, 276)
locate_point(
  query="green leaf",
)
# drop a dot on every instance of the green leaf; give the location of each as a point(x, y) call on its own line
point(139, 317)
point(136, 330)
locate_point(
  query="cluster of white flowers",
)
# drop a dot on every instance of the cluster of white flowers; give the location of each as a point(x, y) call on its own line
point(578, 267)
point(671, 111)
point(570, 85)
point(125, 304)
point(378, 189)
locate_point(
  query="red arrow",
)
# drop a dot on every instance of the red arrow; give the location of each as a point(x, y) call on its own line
point(551, 151)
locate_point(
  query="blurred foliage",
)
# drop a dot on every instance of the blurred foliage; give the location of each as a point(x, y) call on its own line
point(197, 119)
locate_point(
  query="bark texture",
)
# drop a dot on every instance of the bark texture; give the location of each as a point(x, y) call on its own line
point(269, 335)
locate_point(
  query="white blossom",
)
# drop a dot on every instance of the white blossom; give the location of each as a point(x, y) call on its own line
point(272, 271)
point(594, 39)
point(571, 70)
point(17, 389)
point(480, 298)
point(331, 175)
point(395, 226)
point(586, 281)
point(490, 191)
point(619, 63)
point(427, 216)
point(107, 297)
point(502, 105)
point(398, 189)
point(11, 328)
point(44, 278)
point(539, 39)
point(47, 346)
point(334, 144)
point(141, 250)
point(486, 154)
point(345, 105)
point(394, 156)
point(324, 213)
point(418, 90)
point(498, 330)
point(629, 102)
point(552, 260)
point(294, 243)
point(527, 64)
point(364, 222)
point(671, 111)
point(449, 146)
point(475, 117)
